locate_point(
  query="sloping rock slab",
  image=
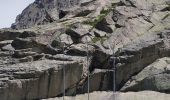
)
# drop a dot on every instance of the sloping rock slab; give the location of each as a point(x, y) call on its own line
point(139, 54)
point(154, 77)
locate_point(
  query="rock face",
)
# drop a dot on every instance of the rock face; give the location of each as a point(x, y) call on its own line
point(47, 11)
point(39, 79)
point(82, 37)
point(99, 80)
point(43, 11)
point(141, 53)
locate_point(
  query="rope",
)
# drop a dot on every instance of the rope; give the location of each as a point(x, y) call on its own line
point(114, 75)
point(64, 83)
point(63, 73)
point(10, 58)
point(88, 80)
point(114, 66)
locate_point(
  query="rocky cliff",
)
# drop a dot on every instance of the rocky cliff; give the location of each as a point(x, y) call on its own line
point(55, 44)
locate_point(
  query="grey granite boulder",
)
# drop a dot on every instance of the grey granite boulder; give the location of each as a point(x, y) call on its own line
point(154, 77)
